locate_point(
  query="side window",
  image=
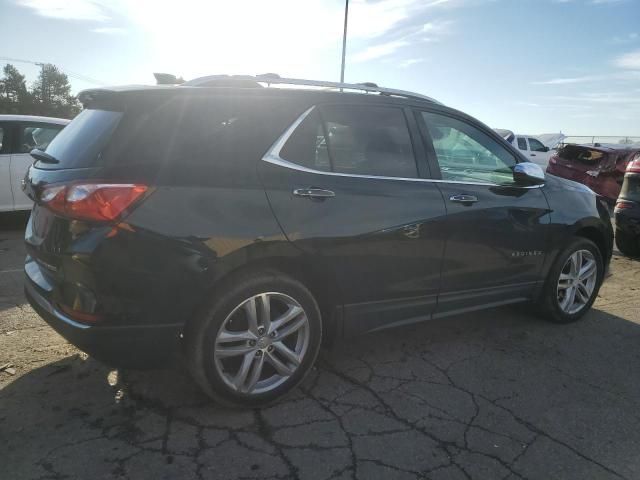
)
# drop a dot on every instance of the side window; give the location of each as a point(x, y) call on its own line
point(307, 146)
point(366, 140)
point(536, 145)
point(522, 143)
point(354, 139)
point(467, 154)
point(36, 136)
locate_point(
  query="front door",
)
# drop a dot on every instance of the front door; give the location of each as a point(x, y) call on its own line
point(347, 186)
point(496, 230)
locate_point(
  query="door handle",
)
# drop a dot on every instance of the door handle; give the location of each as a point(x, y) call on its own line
point(314, 193)
point(464, 199)
point(533, 154)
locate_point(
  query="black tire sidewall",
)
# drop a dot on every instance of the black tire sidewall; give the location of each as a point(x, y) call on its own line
point(200, 345)
point(550, 297)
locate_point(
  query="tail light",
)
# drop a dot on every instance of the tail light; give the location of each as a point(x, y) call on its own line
point(634, 166)
point(97, 202)
point(622, 205)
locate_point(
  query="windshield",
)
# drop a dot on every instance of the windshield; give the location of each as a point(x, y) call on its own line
point(80, 143)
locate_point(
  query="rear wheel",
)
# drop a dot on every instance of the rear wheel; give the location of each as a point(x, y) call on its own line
point(573, 282)
point(256, 341)
point(628, 244)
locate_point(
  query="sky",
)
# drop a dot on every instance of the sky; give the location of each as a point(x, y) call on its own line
point(531, 66)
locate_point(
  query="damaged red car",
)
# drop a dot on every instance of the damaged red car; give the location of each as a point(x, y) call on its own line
point(599, 167)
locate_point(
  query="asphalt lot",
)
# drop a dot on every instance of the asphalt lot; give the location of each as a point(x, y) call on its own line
point(500, 394)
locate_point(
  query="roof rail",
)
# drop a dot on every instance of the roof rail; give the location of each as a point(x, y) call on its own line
point(212, 80)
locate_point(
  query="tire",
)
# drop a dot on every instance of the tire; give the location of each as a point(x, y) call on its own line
point(627, 243)
point(223, 329)
point(554, 301)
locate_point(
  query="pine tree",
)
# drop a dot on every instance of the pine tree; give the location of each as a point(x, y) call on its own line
point(14, 97)
point(52, 94)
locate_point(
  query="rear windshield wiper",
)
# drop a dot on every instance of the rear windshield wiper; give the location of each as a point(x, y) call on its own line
point(43, 156)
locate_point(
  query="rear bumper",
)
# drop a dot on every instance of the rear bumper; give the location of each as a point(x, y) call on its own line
point(122, 346)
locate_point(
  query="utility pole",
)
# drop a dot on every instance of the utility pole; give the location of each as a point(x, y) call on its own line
point(42, 65)
point(344, 39)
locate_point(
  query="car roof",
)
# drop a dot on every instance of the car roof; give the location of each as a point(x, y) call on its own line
point(352, 92)
point(33, 118)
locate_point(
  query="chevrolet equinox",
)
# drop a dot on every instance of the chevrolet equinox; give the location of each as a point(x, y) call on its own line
point(241, 222)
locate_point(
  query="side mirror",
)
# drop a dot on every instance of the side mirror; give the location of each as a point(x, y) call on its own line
point(545, 149)
point(527, 173)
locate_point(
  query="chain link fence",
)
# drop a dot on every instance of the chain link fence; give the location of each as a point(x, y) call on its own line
point(592, 140)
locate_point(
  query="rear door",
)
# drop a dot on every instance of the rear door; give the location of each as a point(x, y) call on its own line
point(496, 231)
point(6, 195)
point(28, 136)
point(347, 184)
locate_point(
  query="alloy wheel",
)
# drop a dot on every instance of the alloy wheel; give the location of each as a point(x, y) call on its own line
point(261, 343)
point(577, 281)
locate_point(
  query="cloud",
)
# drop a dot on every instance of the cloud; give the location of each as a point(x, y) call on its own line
point(629, 38)
point(620, 98)
point(629, 60)
point(67, 9)
point(267, 40)
point(377, 51)
point(568, 80)
point(592, 2)
point(109, 30)
point(410, 61)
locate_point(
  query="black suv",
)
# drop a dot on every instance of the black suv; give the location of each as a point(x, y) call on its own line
point(244, 224)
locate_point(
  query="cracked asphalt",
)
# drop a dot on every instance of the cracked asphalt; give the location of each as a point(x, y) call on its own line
point(495, 395)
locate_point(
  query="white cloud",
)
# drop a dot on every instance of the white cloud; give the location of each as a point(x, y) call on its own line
point(109, 30)
point(410, 61)
point(68, 9)
point(199, 37)
point(377, 51)
point(568, 80)
point(629, 60)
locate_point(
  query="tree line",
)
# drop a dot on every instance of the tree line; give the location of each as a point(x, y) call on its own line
point(49, 96)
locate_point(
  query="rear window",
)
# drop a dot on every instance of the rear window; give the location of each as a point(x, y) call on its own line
point(81, 142)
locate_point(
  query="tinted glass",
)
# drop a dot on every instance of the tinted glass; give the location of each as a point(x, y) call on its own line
point(367, 140)
point(522, 143)
point(536, 145)
point(80, 143)
point(358, 140)
point(36, 136)
point(307, 146)
point(465, 153)
point(197, 139)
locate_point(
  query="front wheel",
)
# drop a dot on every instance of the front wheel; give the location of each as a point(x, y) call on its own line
point(257, 340)
point(573, 282)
